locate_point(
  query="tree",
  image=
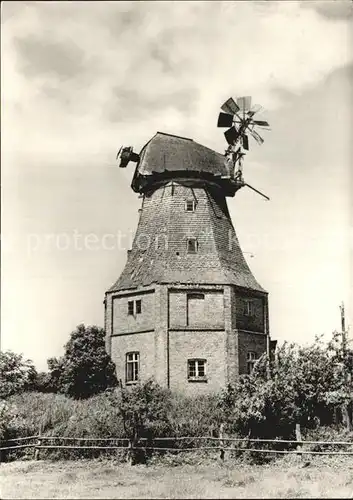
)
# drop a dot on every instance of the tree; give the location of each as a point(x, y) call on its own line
point(301, 389)
point(43, 382)
point(144, 409)
point(341, 394)
point(86, 368)
point(56, 369)
point(17, 374)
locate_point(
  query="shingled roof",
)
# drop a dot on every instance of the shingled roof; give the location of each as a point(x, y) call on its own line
point(165, 155)
point(163, 216)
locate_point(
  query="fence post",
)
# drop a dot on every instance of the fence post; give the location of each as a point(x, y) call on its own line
point(298, 437)
point(221, 442)
point(128, 455)
point(36, 449)
point(39, 442)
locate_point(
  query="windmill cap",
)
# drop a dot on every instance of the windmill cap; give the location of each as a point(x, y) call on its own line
point(167, 156)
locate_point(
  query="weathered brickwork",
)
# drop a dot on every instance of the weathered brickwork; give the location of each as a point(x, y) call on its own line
point(198, 302)
point(130, 323)
point(254, 322)
point(196, 308)
point(250, 342)
point(143, 343)
point(209, 345)
point(231, 347)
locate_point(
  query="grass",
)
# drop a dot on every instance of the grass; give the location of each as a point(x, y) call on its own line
point(286, 478)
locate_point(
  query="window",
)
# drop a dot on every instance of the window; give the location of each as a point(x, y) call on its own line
point(138, 306)
point(197, 370)
point(250, 361)
point(195, 314)
point(191, 245)
point(130, 307)
point(190, 205)
point(132, 367)
point(134, 307)
point(249, 309)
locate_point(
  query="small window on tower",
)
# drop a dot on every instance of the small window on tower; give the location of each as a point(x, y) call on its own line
point(130, 308)
point(191, 245)
point(249, 309)
point(250, 361)
point(190, 205)
point(138, 306)
point(132, 367)
point(197, 370)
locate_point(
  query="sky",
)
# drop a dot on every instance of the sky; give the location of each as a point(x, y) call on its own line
point(80, 79)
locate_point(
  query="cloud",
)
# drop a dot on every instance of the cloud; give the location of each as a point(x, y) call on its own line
point(79, 78)
point(334, 9)
point(43, 56)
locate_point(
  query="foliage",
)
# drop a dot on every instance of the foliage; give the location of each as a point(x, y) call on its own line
point(42, 382)
point(195, 415)
point(306, 386)
point(56, 369)
point(144, 409)
point(342, 373)
point(58, 415)
point(16, 374)
point(86, 368)
point(300, 390)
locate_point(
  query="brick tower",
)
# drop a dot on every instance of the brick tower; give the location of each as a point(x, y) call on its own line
point(186, 309)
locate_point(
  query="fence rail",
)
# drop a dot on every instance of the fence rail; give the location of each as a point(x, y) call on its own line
point(188, 438)
point(221, 444)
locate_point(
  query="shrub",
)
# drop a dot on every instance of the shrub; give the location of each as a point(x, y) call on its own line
point(86, 368)
point(144, 410)
point(303, 379)
point(195, 416)
point(16, 374)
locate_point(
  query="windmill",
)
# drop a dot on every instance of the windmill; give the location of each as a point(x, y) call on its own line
point(239, 117)
point(185, 255)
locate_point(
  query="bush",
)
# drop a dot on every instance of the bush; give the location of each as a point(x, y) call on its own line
point(195, 416)
point(16, 374)
point(300, 390)
point(58, 415)
point(144, 410)
point(86, 368)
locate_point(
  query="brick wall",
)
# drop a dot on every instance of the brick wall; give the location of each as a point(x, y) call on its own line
point(231, 347)
point(249, 342)
point(168, 273)
point(125, 323)
point(255, 322)
point(209, 345)
point(184, 310)
point(141, 342)
point(161, 335)
point(107, 322)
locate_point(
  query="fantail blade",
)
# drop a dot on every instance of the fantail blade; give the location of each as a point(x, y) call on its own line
point(230, 106)
point(261, 123)
point(244, 103)
point(245, 142)
point(231, 136)
point(225, 120)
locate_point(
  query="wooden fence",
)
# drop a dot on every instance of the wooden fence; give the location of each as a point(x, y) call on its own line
point(220, 444)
